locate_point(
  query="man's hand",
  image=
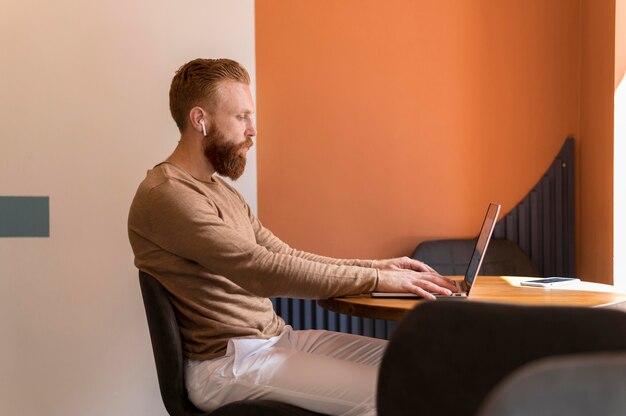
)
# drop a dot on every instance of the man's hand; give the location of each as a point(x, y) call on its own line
point(401, 263)
point(408, 275)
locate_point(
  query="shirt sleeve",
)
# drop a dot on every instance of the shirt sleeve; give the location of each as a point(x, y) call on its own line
point(185, 223)
point(267, 239)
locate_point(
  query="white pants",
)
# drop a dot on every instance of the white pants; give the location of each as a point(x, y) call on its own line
point(323, 371)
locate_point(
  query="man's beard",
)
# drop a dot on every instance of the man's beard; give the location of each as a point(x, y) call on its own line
point(226, 158)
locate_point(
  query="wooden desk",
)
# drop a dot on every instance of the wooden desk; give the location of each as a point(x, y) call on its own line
point(496, 289)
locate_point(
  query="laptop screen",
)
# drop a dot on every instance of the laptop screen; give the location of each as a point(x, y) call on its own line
point(481, 245)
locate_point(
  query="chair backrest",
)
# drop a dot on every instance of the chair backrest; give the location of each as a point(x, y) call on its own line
point(450, 257)
point(167, 348)
point(445, 357)
point(573, 385)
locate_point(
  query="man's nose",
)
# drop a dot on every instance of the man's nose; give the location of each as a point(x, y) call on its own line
point(251, 130)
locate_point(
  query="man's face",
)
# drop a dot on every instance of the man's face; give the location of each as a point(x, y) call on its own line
point(227, 158)
point(231, 130)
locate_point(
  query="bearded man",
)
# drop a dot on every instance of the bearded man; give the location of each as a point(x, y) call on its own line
point(197, 236)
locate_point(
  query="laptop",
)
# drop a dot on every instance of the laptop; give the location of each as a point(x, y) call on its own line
point(465, 286)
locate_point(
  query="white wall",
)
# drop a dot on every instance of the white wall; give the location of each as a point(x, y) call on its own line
point(619, 190)
point(84, 114)
point(619, 150)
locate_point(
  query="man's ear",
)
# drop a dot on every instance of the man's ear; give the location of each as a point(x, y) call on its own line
point(198, 120)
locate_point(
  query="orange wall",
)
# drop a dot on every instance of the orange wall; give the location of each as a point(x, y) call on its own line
point(382, 126)
point(595, 162)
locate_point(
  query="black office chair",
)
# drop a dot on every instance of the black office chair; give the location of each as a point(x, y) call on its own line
point(450, 257)
point(572, 385)
point(168, 357)
point(445, 356)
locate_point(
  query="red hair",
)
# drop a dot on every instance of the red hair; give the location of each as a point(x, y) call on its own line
point(196, 84)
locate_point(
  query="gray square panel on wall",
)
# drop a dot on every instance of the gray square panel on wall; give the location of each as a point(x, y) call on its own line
point(24, 216)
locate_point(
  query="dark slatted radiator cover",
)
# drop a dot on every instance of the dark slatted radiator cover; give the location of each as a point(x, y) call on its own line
point(307, 314)
point(542, 225)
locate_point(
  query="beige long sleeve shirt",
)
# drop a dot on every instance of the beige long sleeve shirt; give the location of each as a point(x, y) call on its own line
point(219, 264)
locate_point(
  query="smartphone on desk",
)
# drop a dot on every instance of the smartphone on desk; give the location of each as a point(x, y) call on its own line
point(550, 281)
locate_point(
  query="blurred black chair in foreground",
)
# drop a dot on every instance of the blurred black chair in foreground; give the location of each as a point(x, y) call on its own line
point(445, 357)
point(573, 385)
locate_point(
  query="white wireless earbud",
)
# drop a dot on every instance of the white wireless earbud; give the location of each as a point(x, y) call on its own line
point(203, 127)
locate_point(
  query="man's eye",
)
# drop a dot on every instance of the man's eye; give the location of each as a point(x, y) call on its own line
point(246, 117)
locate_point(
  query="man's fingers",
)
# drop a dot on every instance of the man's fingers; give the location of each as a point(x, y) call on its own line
point(430, 269)
point(413, 288)
point(433, 287)
point(420, 283)
point(439, 280)
point(419, 266)
point(405, 263)
point(446, 282)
